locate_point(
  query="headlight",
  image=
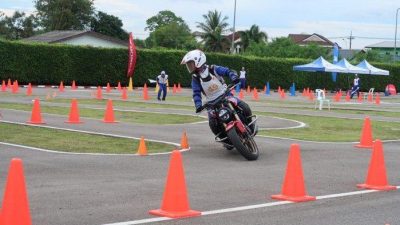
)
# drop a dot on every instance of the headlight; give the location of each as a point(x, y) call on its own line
point(224, 115)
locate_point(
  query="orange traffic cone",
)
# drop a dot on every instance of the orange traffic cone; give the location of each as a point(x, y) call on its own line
point(99, 93)
point(119, 86)
point(248, 89)
point(241, 95)
point(174, 89)
point(279, 90)
point(293, 188)
point(3, 86)
point(142, 149)
point(36, 117)
point(378, 99)
point(61, 87)
point(265, 89)
point(283, 94)
point(360, 97)
point(376, 177)
point(311, 95)
point(304, 92)
point(179, 88)
point(109, 114)
point(124, 94)
point(145, 93)
point(14, 89)
point(366, 135)
point(108, 88)
point(370, 97)
point(74, 113)
point(184, 141)
point(175, 202)
point(15, 209)
point(9, 85)
point(255, 94)
point(29, 90)
point(73, 86)
point(347, 97)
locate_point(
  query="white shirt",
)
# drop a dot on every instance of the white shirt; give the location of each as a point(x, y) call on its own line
point(356, 81)
point(213, 88)
point(242, 74)
point(162, 80)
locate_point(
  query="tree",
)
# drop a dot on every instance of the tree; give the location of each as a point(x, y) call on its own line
point(213, 28)
point(108, 25)
point(285, 48)
point(254, 34)
point(172, 35)
point(163, 18)
point(17, 26)
point(64, 14)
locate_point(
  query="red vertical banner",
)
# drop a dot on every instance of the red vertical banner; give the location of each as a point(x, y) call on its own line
point(132, 56)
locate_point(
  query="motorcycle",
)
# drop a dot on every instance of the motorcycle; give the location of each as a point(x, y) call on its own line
point(239, 130)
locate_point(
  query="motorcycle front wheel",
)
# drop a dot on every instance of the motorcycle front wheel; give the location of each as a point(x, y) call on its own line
point(244, 143)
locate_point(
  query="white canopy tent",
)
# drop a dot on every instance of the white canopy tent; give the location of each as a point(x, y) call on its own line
point(320, 65)
point(371, 69)
point(350, 68)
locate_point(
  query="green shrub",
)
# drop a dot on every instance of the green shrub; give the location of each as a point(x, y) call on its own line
point(49, 64)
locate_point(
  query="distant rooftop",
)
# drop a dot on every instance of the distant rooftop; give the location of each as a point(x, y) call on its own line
point(304, 39)
point(63, 35)
point(384, 44)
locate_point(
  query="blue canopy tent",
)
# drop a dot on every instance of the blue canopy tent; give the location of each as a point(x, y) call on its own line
point(371, 69)
point(320, 65)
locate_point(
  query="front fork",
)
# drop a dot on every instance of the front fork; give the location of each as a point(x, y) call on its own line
point(235, 123)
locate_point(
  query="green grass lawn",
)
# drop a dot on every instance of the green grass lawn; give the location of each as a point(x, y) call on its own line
point(120, 103)
point(332, 129)
point(67, 141)
point(133, 117)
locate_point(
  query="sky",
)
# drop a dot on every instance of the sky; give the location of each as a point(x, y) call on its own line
point(370, 21)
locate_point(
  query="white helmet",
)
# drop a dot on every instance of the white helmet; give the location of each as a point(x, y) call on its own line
point(163, 72)
point(194, 60)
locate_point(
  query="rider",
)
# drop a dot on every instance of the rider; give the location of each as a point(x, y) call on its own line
point(208, 79)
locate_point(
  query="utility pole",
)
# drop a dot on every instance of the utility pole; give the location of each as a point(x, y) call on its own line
point(351, 38)
point(395, 36)
point(233, 34)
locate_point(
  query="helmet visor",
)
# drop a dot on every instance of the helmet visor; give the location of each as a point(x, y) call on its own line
point(190, 66)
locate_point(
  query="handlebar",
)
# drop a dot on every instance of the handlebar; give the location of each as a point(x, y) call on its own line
point(229, 88)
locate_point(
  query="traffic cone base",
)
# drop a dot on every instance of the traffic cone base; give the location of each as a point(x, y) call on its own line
point(36, 116)
point(376, 176)
point(175, 203)
point(15, 209)
point(142, 149)
point(184, 141)
point(293, 188)
point(379, 188)
point(366, 135)
point(175, 215)
point(363, 146)
point(305, 198)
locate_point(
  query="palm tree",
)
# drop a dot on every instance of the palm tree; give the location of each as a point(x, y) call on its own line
point(254, 34)
point(213, 29)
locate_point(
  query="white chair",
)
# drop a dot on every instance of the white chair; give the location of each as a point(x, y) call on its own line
point(370, 92)
point(320, 94)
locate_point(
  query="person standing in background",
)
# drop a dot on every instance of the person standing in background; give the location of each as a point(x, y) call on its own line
point(356, 86)
point(242, 77)
point(162, 80)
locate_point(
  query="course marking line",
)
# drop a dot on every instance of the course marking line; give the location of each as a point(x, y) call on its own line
point(82, 153)
point(301, 124)
point(243, 208)
point(318, 142)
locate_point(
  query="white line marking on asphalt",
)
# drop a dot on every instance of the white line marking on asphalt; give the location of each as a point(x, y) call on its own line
point(80, 153)
point(89, 132)
point(301, 124)
point(243, 208)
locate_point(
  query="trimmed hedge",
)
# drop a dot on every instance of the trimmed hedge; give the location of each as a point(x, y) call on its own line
point(49, 64)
